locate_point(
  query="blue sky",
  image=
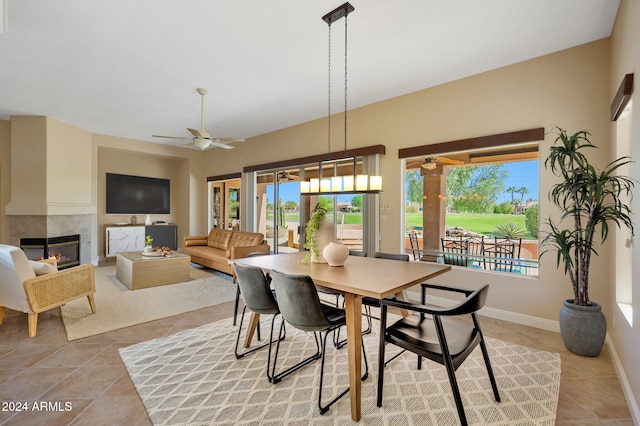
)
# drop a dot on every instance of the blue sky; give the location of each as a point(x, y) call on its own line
point(522, 173)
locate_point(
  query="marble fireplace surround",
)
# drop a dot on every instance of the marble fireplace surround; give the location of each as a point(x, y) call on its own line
point(40, 226)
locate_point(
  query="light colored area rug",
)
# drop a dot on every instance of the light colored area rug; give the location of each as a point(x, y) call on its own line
point(118, 307)
point(193, 378)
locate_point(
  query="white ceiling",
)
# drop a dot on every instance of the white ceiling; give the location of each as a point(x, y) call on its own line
point(130, 68)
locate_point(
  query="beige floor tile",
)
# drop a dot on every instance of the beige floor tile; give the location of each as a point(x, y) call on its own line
point(90, 374)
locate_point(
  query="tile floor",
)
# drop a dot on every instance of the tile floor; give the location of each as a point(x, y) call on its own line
point(85, 382)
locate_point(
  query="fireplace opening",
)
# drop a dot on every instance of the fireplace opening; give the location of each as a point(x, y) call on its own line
point(65, 249)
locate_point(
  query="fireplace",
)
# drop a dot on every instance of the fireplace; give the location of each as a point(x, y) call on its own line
point(65, 249)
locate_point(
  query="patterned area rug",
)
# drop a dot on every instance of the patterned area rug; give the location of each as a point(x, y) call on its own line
point(193, 378)
point(118, 307)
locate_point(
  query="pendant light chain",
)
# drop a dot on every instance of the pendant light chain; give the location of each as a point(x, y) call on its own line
point(329, 102)
point(337, 184)
point(345, 84)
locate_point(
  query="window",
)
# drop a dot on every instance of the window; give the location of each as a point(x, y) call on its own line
point(624, 261)
point(485, 200)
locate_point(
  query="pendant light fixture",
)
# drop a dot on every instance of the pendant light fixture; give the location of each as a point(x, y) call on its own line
point(350, 184)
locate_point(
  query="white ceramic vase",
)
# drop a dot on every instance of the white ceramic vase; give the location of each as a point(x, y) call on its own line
point(336, 254)
point(324, 236)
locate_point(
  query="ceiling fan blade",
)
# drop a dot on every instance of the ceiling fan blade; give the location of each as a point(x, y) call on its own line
point(221, 145)
point(199, 133)
point(168, 137)
point(449, 161)
point(227, 140)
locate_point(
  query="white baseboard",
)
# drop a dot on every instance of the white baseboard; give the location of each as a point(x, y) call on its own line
point(500, 314)
point(632, 403)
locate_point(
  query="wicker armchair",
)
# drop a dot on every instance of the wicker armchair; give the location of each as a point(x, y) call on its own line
point(23, 291)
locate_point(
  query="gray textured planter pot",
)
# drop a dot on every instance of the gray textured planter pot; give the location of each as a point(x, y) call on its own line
point(583, 328)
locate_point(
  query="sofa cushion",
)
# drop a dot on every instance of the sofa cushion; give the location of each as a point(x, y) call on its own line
point(195, 242)
point(219, 238)
point(206, 252)
point(243, 239)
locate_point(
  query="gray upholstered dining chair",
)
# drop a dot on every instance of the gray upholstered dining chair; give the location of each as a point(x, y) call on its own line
point(434, 334)
point(259, 298)
point(369, 302)
point(237, 304)
point(301, 308)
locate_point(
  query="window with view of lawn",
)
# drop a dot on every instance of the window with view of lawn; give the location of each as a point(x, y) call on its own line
point(475, 209)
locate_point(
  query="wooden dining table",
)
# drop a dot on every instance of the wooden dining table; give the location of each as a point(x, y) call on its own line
point(360, 276)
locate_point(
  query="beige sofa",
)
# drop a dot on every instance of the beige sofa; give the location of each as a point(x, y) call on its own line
point(221, 245)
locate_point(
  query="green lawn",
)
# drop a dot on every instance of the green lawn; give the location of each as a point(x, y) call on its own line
point(475, 222)
point(480, 223)
point(349, 218)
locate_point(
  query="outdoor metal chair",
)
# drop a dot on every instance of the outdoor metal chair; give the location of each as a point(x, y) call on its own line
point(455, 251)
point(500, 255)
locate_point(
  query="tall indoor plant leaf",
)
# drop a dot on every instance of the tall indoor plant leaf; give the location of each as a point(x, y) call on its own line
point(591, 201)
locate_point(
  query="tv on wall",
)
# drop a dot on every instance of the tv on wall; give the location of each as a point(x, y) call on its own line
point(137, 195)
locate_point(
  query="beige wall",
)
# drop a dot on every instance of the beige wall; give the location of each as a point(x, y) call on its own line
point(626, 59)
point(568, 88)
point(69, 174)
point(182, 166)
point(51, 168)
point(5, 177)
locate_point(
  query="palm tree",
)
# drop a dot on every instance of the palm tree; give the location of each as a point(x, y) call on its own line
point(522, 192)
point(512, 189)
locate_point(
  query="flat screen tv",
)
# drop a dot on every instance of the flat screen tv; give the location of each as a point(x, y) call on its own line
point(137, 195)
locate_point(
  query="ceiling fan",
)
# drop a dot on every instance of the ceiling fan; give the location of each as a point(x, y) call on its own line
point(284, 176)
point(431, 163)
point(201, 139)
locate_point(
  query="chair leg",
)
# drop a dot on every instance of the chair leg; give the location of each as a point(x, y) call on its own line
point(492, 379)
point(381, 348)
point(92, 303)
point(276, 378)
point(324, 409)
point(240, 355)
point(339, 344)
point(33, 323)
point(235, 308)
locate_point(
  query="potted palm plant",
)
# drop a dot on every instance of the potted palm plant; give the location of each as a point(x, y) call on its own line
point(591, 201)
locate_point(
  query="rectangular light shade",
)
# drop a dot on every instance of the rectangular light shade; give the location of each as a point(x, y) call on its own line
point(314, 185)
point(347, 183)
point(304, 187)
point(336, 183)
point(375, 183)
point(362, 182)
point(325, 185)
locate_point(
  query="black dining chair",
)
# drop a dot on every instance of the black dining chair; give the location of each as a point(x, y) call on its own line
point(434, 334)
point(301, 308)
point(259, 298)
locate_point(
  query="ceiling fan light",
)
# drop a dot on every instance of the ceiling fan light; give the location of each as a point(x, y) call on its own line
point(429, 164)
point(201, 143)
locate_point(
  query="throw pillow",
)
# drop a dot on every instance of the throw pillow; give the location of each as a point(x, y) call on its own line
point(41, 268)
